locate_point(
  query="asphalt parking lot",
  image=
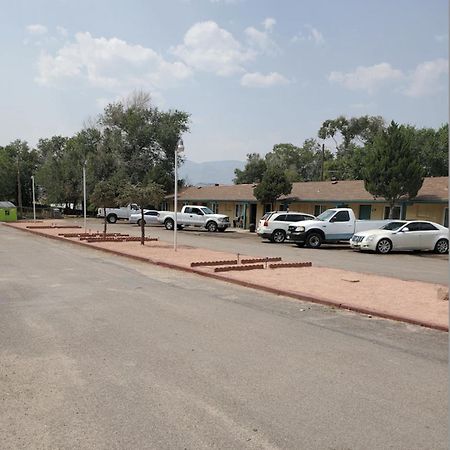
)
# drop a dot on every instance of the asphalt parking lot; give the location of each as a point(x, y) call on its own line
point(420, 266)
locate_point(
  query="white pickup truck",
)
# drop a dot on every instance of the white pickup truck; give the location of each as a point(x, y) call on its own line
point(332, 226)
point(113, 214)
point(197, 216)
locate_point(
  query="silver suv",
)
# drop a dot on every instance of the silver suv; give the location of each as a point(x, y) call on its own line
point(274, 225)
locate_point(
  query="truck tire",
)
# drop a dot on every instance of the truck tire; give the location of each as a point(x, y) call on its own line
point(111, 218)
point(169, 224)
point(314, 240)
point(211, 226)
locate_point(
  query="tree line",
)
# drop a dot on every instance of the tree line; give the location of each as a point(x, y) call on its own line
point(392, 159)
point(132, 143)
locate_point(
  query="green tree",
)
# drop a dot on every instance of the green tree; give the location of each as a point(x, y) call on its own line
point(25, 161)
point(432, 147)
point(392, 168)
point(140, 139)
point(105, 195)
point(7, 175)
point(253, 172)
point(299, 163)
point(273, 184)
point(150, 194)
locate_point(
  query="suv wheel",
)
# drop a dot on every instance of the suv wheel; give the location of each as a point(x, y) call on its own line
point(278, 236)
point(211, 226)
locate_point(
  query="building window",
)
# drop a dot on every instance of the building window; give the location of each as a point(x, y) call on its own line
point(267, 207)
point(318, 209)
point(164, 206)
point(397, 212)
point(214, 207)
point(446, 217)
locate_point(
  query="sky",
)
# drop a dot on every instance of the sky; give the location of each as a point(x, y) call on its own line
point(251, 73)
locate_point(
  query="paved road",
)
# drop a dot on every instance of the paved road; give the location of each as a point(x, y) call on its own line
point(100, 352)
point(423, 266)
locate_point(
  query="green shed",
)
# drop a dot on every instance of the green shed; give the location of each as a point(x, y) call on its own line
point(8, 212)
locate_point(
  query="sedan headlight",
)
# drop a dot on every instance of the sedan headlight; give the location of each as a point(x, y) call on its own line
point(300, 229)
point(369, 238)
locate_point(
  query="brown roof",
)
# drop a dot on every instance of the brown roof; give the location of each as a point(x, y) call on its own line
point(434, 189)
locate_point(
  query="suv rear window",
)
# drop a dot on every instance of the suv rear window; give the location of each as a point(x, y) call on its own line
point(266, 216)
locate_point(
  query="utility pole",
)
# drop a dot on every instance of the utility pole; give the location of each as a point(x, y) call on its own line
point(323, 160)
point(19, 187)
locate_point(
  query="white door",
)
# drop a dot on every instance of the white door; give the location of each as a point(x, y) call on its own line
point(196, 217)
point(428, 236)
point(410, 239)
point(340, 226)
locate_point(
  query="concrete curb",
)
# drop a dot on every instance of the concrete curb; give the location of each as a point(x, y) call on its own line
point(271, 290)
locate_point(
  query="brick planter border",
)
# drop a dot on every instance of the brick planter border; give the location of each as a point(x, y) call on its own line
point(287, 265)
point(238, 268)
point(213, 263)
point(260, 260)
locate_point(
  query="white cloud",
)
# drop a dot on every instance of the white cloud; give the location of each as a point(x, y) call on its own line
point(269, 23)
point(209, 48)
point(36, 29)
point(261, 40)
point(316, 36)
point(257, 79)
point(366, 78)
point(312, 35)
point(109, 63)
point(428, 78)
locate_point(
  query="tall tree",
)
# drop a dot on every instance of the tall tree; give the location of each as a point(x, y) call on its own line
point(392, 169)
point(25, 162)
point(253, 172)
point(142, 138)
point(150, 194)
point(273, 184)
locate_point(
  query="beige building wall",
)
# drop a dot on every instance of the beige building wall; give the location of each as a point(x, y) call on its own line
point(427, 211)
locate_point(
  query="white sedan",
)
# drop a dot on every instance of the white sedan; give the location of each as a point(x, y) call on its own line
point(150, 217)
point(403, 235)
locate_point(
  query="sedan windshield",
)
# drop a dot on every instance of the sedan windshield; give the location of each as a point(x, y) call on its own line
point(393, 226)
point(326, 215)
point(206, 210)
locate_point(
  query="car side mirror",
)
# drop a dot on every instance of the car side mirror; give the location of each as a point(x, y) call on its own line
point(405, 229)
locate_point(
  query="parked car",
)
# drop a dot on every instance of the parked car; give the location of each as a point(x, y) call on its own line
point(332, 226)
point(197, 216)
point(113, 214)
point(274, 225)
point(150, 217)
point(403, 235)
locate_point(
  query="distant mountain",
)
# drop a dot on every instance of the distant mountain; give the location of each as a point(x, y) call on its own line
point(209, 172)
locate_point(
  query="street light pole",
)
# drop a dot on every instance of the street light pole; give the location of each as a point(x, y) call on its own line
point(84, 195)
point(34, 199)
point(178, 150)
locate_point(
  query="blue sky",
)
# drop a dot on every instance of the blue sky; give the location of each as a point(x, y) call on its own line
point(252, 73)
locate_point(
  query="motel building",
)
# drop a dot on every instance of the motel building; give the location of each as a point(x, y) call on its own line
point(313, 197)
